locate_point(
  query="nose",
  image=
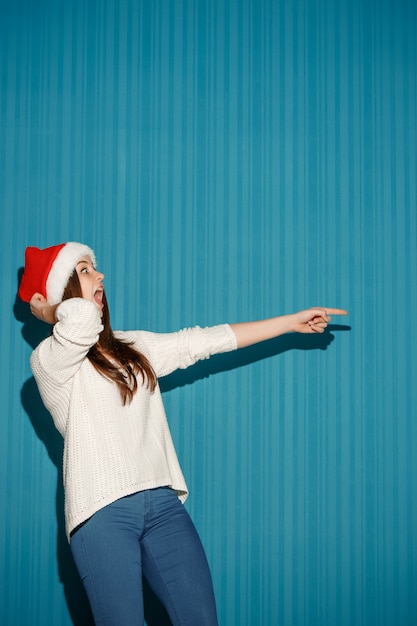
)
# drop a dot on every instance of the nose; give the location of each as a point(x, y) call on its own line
point(99, 276)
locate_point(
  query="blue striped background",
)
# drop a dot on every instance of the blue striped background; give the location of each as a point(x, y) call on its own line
point(228, 160)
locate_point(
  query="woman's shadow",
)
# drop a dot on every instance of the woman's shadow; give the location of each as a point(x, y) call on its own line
point(34, 331)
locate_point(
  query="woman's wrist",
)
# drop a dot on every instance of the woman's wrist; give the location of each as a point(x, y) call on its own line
point(42, 310)
point(49, 313)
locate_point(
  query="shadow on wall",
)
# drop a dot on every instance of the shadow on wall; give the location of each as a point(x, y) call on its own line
point(34, 331)
point(232, 360)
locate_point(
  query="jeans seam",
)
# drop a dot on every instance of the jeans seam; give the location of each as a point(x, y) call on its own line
point(169, 595)
point(91, 579)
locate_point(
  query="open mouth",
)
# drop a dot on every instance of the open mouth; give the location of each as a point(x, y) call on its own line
point(98, 295)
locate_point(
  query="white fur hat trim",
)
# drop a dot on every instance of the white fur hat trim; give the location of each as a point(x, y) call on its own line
point(62, 268)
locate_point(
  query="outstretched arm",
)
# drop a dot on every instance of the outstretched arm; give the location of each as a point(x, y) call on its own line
point(310, 321)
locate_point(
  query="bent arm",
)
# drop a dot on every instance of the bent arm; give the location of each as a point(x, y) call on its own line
point(310, 321)
point(76, 329)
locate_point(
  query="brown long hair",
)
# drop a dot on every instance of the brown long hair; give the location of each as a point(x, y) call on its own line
point(115, 359)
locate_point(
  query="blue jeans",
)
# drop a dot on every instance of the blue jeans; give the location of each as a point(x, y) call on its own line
point(149, 533)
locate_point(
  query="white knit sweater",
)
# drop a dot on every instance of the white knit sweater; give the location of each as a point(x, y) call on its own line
point(111, 450)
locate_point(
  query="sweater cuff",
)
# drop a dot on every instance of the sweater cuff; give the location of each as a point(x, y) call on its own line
point(225, 337)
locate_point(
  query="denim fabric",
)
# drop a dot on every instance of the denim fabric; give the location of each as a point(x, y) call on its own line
point(149, 532)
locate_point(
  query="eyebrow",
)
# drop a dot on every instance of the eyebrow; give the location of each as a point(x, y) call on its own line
point(87, 262)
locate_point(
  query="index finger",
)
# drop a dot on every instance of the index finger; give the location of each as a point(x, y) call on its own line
point(335, 311)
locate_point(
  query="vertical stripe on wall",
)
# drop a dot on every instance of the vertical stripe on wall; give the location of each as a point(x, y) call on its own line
point(228, 161)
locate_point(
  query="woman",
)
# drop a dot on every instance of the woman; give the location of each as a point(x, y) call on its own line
point(124, 489)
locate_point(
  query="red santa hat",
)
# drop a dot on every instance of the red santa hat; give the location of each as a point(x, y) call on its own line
point(47, 270)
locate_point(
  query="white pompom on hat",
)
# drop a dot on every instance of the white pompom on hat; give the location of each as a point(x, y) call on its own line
point(47, 270)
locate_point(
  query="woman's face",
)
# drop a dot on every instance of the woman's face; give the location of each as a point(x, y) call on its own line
point(91, 282)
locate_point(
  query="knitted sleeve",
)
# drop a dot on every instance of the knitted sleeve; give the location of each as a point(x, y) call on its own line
point(170, 351)
point(76, 331)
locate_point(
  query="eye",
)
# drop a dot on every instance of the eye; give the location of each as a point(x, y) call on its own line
point(84, 270)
